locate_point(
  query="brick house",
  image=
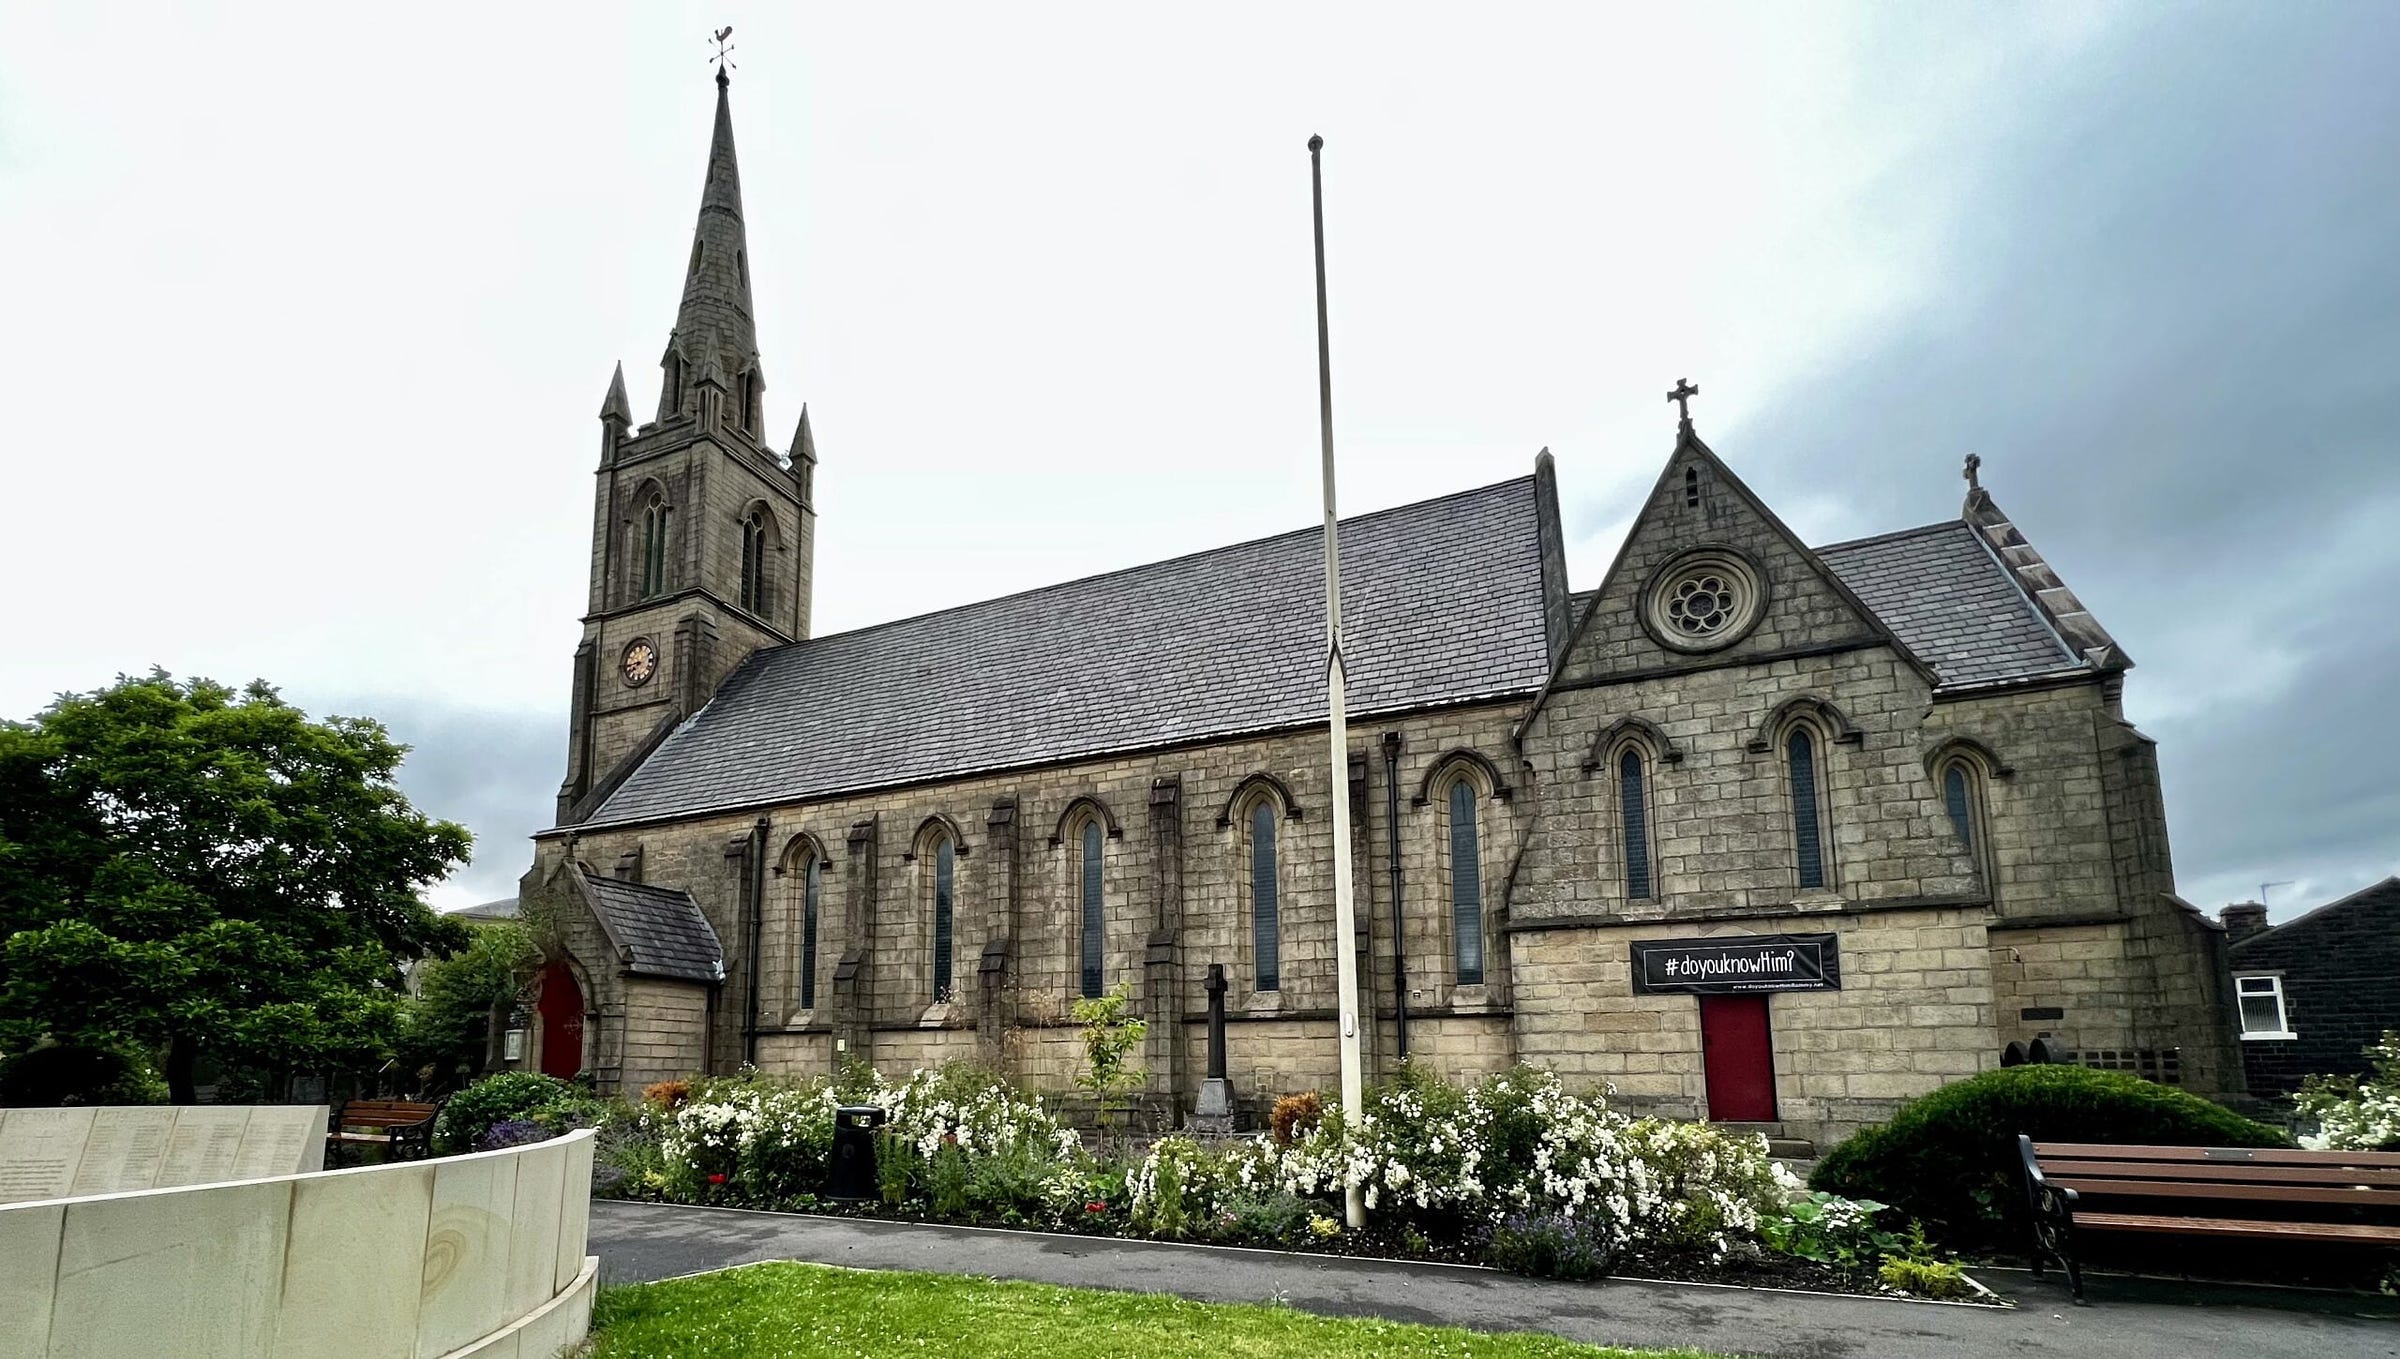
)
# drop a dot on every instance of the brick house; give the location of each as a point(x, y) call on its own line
point(1754, 831)
point(2313, 992)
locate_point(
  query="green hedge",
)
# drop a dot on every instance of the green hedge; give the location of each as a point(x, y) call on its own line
point(1950, 1158)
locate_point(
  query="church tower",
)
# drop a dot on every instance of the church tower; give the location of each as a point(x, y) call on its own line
point(702, 534)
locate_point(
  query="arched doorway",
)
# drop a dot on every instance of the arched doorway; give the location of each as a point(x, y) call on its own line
point(561, 1008)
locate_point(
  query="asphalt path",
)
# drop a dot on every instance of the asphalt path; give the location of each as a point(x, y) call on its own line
point(2129, 1319)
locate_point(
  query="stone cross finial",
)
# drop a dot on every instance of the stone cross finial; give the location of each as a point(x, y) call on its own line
point(1682, 397)
point(1974, 464)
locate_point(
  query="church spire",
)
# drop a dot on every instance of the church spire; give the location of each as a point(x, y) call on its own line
point(714, 340)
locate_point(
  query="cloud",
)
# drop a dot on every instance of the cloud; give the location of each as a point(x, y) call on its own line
point(494, 772)
point(2168, 318)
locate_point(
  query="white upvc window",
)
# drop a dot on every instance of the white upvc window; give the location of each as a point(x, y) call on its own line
point(2263, 1015)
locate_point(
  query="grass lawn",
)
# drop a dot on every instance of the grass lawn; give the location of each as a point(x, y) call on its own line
point(801, 1311)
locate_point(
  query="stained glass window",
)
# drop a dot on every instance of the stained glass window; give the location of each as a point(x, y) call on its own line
point(1266, 939)
point(1466, 885)
point(1633, 808)
point(1092, 907)
point(1807, 831)
point(813, 883)
point(943, 869)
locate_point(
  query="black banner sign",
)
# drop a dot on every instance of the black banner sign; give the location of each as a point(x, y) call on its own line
point(1737, 963)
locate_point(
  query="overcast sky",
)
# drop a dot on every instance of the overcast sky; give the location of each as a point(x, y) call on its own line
point(305, 317)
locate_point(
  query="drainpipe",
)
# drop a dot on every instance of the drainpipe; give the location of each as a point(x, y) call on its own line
point(758, 915)
point(1391, 822)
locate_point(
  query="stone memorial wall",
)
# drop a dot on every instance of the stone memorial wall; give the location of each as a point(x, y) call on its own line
point(460, 1257)
point(71, 1153)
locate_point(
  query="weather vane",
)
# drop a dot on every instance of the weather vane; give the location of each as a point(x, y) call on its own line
point(724, 54)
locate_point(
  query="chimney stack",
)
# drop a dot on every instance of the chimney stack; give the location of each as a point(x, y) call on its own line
point(2242, 919)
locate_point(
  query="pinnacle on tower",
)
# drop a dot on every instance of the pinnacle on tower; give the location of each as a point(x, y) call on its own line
point(714, 335)
point(615, 407)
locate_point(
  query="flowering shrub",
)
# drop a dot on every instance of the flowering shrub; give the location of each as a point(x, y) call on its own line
point(1179, 1187)
point(1538, 1178)
point(1443, 1159)
point(668, 1095)
point(469, 1114)
point(2357, 1113)
point(1712, 1188)
point(770, 1139)
point(512, 1132)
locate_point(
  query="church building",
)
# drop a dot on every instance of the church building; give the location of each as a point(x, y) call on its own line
point(1753, 831)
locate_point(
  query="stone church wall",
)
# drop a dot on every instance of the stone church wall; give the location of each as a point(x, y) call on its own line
point(1914, 1013)
point(1720, 815)
point(1176, 895)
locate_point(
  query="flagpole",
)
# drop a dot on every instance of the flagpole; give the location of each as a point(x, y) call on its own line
point(1345, 915)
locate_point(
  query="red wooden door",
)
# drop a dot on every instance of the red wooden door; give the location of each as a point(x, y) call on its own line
point(562, 1023)
point(1740, 1059)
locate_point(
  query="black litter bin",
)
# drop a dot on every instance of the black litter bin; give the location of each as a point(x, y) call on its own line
point(852, 1172)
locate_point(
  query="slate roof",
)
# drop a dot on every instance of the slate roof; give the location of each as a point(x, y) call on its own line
point(504, 908)
point(1950, 601)
point(662, 933)
point(1442, 601)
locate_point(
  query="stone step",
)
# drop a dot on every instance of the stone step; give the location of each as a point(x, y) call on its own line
point(1791, 1149)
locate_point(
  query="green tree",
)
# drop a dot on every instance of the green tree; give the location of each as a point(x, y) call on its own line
point(207, 872)
point(447, 1025)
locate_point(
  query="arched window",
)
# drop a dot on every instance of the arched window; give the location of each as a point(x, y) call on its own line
point(657, 521)
point(754, 561)
point(1808, 803)
point(1266, 937)
point(1466, 885)
point(812, 892)
point(673, 387)
point(944, 876)
point(1956, 797)
point(1092, 937)
point(749, 398)
point(1961, 778)
point(1633, 819)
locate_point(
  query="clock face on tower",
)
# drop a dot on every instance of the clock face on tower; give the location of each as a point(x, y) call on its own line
point(640, 661)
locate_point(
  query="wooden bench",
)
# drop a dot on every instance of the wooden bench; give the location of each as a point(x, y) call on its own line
point(403, 1128)
point(2258, 1194)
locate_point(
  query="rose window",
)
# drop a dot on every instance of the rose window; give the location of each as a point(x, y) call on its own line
point(1704, 599)
point(1700, 605)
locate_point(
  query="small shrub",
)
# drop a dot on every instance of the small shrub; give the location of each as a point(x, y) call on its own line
point(511, 1095)
point(1950, 1157)
point(896, 1162)
point(1551, 1246)
point(948, 1178)
point(1924, 1278)
point(1296, 1116)
point(1831, 1230)
point(667, 1095)
point(1271, 1219)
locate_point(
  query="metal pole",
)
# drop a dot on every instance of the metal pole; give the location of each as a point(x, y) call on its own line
point(1345, 917)
point(1391, 820)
